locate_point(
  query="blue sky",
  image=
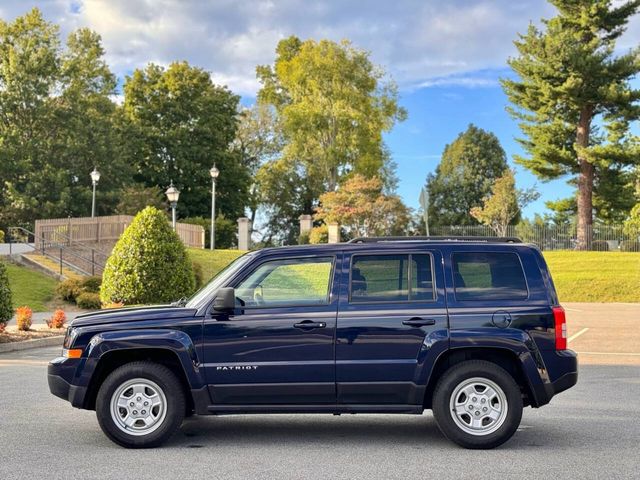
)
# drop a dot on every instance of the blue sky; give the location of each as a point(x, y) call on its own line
point(446, 56)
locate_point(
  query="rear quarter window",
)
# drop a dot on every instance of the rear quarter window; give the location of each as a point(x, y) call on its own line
point(488, 276)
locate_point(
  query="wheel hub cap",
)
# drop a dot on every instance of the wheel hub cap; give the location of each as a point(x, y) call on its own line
point(138, 406)
point(478, 406)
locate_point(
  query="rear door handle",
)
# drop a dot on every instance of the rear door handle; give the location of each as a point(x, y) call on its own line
point(309, 325)
point(419, 322)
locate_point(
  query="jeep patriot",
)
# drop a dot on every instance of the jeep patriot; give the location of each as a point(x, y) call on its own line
point(469, 328)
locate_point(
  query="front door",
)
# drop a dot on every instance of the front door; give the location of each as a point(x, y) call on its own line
point(277, 346)
point(392, 325)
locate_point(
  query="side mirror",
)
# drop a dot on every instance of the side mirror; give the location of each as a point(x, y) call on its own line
point(225, 300)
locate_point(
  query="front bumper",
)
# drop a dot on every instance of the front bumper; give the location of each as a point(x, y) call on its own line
point(59, 373)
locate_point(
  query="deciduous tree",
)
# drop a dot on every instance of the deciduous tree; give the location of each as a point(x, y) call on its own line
point(502, 207)
point(464, 176)
point(362, 209)
point(181, 124)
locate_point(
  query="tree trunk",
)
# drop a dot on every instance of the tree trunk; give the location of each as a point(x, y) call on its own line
point(585, 183)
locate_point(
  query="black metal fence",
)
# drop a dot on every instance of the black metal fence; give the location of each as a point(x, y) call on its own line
point(552, 237)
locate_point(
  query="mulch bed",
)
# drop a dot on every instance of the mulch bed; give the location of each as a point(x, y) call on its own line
point(12, 334)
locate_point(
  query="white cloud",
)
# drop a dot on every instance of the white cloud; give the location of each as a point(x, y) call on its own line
point(421, 43)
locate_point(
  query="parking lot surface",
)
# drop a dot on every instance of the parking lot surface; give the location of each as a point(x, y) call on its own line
point(590, 431)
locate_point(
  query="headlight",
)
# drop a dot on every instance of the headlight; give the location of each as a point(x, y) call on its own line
point(70, 337)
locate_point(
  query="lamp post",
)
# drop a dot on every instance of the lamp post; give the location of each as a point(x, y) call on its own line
point(172, 195)
point(214, 172)
point(95, 178)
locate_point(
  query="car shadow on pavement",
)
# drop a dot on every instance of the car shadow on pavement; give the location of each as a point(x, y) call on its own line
point(319, 430)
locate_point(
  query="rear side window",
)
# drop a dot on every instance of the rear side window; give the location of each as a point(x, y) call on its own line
point(488, 276)
point(391, 278)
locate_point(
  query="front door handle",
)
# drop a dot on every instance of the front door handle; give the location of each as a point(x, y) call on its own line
point(309, 325)
point(419, 322)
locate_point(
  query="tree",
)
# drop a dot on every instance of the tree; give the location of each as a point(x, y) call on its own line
point(464, 176)
point(574, 97)
point(29, 70)
point(502, 207)
point(363, 210)
point(180, 125)
point(137, 197)
point(56, 122)
point(258, 141)
point(332, 105)
point(149, 264)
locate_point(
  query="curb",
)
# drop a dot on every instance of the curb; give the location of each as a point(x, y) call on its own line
point(29, 344)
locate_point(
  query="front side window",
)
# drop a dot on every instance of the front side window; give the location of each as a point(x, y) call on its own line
point(294, 282)
point(391, 278)
point(488, 276)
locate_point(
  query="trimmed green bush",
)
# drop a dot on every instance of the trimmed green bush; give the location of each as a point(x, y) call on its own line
point(6, 308)
point(69, 289)
point(89, 301)
point(91, 284)
point(149, 264)
point(1, 236)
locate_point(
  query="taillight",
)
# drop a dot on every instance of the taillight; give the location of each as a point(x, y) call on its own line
point(560, 321)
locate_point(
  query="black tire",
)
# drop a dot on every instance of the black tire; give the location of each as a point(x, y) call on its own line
point(173, 392)
point(444, 415)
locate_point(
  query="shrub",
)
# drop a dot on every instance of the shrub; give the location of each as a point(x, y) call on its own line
point(69, 289)
point(303, 238)
point(6, 309)
point(149, 264)
point(319, 234)
point(57, 319)
point(91, 284)
point(600, 246)
point(89, 301)
point(2, 327)
point(1, 236)
point(23, 318)
point(225, 230)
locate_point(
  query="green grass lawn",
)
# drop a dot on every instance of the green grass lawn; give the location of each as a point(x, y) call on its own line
point(595, 276)
point(30, 288)
point(578, 276)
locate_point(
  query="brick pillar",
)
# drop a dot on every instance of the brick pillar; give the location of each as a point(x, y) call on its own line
point(244, 233)
point(334, 233)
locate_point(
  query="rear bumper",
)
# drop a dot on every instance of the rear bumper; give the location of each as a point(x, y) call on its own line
point(57, 374)
point(562, 371)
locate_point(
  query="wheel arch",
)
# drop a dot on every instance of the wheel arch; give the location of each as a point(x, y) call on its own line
point(113, 359)
point(503, 357)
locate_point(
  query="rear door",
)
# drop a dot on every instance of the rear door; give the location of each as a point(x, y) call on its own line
point(392, 322)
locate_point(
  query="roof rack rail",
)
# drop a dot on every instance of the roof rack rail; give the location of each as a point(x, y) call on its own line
point(447, 238)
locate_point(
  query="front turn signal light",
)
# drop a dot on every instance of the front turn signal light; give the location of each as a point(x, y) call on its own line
point(72, 352)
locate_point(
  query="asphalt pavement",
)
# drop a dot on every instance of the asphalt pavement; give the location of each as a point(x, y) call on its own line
point(590, 431)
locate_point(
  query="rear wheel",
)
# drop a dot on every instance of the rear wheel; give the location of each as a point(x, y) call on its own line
point(140, 404)
point(477, 404)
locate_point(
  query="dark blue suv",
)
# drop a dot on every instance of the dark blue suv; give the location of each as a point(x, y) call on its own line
point(469, 328)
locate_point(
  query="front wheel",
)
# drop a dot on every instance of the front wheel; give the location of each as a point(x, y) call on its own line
point(140, 405)
point(477, 404)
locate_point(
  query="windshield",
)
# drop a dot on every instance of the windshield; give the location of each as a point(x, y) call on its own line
point(206, 293)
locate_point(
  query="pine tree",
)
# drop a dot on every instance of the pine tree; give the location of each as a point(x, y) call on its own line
point(574, 97)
